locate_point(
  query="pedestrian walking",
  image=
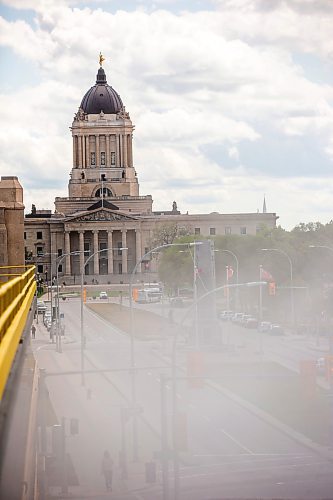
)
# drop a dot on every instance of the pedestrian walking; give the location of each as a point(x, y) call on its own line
point(33, 331)
point(107, 469)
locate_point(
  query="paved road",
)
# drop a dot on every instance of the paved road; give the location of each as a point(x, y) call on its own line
point(231, 452)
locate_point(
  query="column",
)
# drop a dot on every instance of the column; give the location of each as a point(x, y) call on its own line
point(67, 251)
point(110, 253)
point(138, 254)
point(96, 256)
point(130, 151)
point(108, 155)
point(81, 248)
point(83, 151)
point(87, 152)
point(125, 149)
point(98, 163)
point(74, 152)
point(117, 151)
point(79, 142)
point(124, 252)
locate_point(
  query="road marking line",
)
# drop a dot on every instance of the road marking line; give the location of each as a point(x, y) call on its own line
point(237, 442)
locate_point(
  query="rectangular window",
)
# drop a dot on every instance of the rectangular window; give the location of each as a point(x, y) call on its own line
point(243, 230)
point(227, 230)
point(25, 235)
point(39, 251)
point(40, 268)
point(102, 158)
point(39, 235)
point(86, 248)
point(197, 230)
point(212, 231)
point(119, 245)
point(113, 158)
point(120, 268)
point(60, 268)
point(92, 158)
point(59, 252)
point(103, 246)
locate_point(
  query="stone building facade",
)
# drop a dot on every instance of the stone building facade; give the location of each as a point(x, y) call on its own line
point(11, 222)
point(104, 209)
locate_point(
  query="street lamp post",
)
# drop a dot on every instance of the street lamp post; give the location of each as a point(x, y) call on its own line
point(174, 378)
point(330, 337)
point(59, 259)
point(36, 260)
point(292, 306)
point(153, 250)
point(81, 315)
point(195, 292)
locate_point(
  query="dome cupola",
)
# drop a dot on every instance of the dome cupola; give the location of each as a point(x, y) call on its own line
point(101, 97)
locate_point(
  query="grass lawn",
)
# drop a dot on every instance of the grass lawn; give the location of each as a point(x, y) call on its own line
point(147, 325)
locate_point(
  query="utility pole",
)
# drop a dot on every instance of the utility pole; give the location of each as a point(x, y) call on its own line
point(164, 439)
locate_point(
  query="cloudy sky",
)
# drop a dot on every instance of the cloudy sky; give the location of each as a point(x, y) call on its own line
point(231, 99)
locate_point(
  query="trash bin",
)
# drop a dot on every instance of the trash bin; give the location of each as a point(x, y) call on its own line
point(150, 472)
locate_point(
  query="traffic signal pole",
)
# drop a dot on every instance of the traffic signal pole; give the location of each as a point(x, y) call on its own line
point(164, 439)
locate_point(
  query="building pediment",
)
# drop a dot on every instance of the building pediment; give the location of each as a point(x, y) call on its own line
point(100, 215)
point(103, 204)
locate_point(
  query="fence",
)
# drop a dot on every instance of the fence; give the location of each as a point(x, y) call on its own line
point(17, 290)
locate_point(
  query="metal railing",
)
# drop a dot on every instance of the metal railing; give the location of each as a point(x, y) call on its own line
point(16, 296)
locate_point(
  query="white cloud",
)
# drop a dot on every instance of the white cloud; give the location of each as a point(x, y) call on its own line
point(187, 80)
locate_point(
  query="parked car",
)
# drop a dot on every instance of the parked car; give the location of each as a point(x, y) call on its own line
point(103, 295)
point(244, 319)
point(47, 317)
point(41, 307)
point(251, 323)
point(237, 317)
point(264, 326)
point(276, 330)
point(225, 315)
point(321, 366)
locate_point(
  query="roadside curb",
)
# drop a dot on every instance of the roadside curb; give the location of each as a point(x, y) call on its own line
point(297, 436)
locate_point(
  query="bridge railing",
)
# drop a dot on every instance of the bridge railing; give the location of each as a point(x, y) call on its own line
point(16, 296)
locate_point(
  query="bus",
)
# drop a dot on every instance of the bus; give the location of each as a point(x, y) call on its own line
point(148, 295)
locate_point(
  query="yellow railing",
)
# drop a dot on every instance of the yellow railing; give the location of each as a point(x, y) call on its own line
point(16, 296)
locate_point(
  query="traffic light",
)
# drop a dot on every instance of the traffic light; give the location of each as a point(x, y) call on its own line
point(271, 288)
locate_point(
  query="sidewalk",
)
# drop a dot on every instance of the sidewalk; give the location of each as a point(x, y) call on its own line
point(43, 336)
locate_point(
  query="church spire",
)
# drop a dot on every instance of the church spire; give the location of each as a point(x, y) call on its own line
point(264, 209)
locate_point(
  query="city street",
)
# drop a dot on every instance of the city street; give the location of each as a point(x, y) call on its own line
point(227, 450)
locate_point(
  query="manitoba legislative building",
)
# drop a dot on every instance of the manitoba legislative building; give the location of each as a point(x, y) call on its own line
point(104, 208)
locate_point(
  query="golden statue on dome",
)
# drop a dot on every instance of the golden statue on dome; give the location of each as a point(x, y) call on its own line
point(101, 59)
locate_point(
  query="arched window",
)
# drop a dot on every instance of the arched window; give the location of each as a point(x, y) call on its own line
point(107, 193)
